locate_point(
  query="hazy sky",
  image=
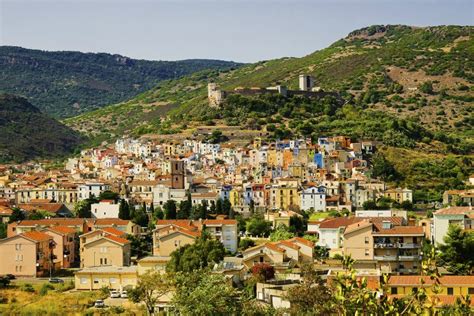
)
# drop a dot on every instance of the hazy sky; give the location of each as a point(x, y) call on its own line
point(223, 29)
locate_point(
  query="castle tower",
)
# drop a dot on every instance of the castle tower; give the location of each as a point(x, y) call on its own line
point(306, 82)
point(214, 95)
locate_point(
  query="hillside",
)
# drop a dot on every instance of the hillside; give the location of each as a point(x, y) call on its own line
point(421, 76)
point(65, 84)
point(411, 88)
point(26, 133)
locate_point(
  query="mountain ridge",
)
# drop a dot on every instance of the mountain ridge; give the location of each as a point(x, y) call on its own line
point(66, 83)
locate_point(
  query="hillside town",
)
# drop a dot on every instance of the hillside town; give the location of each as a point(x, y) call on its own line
point(113, 214)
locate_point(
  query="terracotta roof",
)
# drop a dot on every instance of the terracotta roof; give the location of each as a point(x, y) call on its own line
point(219, 222)
point(62, 229)
point(402, 230)
point(53, 221)
point(306, 242)
point(454, 210)
point(111, 221)
point(4, 210)
point(113, 231)
point(444, 280)
point(289, 244)
point(274, 247)
point(49, 207)
point(332, 223)
point(36, 236)
point(117, 239)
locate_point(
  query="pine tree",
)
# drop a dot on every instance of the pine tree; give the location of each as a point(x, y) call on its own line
point(124, 210)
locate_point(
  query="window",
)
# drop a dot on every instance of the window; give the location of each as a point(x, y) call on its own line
point(450, 291)
point(367, 252)
point(366, 240)
point(113, 280)
point(394, 291)
point(17, 246)
point(105, 260)
point(470, 290)
point(96, 281)
point(83, 280)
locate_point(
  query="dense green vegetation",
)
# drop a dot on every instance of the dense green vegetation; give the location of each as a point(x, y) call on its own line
point(64, 84)
point(26, 133)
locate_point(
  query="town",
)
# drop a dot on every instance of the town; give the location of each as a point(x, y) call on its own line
point(117, 213)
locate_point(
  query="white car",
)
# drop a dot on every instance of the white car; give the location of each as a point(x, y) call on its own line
point(99, 304)
point(114, 294)
point(124, 294)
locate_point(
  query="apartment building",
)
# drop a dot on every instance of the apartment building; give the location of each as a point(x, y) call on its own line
point(395, 248)
point(28, 254)
point(102, 248)
point(65, 246)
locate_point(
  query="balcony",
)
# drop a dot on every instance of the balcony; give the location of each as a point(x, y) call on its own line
point(385, 245)
point(408, 271)
point(409, 245)
point(386, 258)
point(409, 257)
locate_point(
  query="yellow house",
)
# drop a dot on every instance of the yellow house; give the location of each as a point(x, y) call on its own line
point(112, 277)
point(169, 238)
point(284, 196)
point(450, 285)
point(235, 196)
point(271, 157)
point(155, 263)
point(105, 250)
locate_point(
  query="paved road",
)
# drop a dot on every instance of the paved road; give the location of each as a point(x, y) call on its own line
point(38, 280)
point(115, 301)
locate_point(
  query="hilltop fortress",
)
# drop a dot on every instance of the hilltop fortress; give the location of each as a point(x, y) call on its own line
point(306, 89)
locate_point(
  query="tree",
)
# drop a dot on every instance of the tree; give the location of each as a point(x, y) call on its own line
point(109, 195)
point(227, 207)
point(311, 294)
point(407, 205)
point(124, 209)
point(298, 225)
point(158, 213)
point(17, 215)
point(151, 286)
point(321, 252)
point(212, 208)
point(40, 214)
point(83, 208)
point(3, 230)
point(246, 243)
point(281, 233)
point(141, 217)
point(170, 209)
point(383, 168)
point(201, 254)
point(263, 272)
point(369, 205)
point(203, 293)
point(257, 226)
point(457, 252)
point(219, 209)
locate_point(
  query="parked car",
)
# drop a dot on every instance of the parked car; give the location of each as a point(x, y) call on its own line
point(99, 304)
point(114, 294)
point(124, 294)
point(56, 280)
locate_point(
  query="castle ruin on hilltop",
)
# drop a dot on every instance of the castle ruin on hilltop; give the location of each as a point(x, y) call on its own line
point(306, 88)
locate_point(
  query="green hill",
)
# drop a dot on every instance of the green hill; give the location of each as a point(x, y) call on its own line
point(26, 133)
point(420, 77)
point(410, 87)
point(65, 84)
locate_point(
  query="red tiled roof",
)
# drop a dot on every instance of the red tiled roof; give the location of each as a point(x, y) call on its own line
point(444, 280)
point(402, 230)
point(113, 231)
point(306, 242)
point(288, 244)
point(36, 236)
point(274, 247)
point(4, 210)
point(454, 210)
point(53, 221)
point(62, 229)
point(117, 239)
point(332, 223)
point(220, 222)
point(111, 221)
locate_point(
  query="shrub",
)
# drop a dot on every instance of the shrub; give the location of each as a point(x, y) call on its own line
point(45, 288)
point(246, 243)
point(27, 287)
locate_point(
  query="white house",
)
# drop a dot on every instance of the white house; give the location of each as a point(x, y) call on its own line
point(87, 190)
point(313, 197)
point(462, 216)
point(105, 209)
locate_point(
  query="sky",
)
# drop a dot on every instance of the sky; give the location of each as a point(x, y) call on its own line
point(239, 30)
